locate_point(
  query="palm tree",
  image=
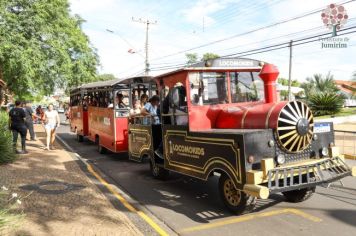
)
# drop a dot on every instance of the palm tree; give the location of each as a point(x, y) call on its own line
point(318, 83)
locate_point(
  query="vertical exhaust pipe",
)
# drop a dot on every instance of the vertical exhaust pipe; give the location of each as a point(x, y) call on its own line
point(269, 74)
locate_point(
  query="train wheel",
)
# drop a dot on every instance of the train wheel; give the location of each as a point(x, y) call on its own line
point(158, 172)
point(80, 138)
point(234, 199)
point(101, 149)
point(299, 195)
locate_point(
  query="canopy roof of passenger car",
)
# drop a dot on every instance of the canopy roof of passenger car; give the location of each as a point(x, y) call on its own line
point(113, 84)
point(220, 64)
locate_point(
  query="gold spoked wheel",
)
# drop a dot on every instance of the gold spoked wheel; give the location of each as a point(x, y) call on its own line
point(232, 195)
point(295, 127)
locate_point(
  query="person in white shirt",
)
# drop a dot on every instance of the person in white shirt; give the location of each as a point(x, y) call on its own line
point(52, 122)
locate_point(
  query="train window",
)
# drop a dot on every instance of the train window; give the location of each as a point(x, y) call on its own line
point(208, 88)
point(246, 87)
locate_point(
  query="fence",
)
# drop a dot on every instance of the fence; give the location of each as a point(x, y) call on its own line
point(346, 141)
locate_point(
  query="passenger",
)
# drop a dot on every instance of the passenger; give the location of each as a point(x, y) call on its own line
point(119, 101)
point(143, 99)
point(150, 109)
point(136, 110)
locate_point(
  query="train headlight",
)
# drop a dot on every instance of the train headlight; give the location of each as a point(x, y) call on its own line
point(315, 137)
point(281, 159)
point(325, 151)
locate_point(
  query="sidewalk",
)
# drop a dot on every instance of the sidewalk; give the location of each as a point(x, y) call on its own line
point(63, 200)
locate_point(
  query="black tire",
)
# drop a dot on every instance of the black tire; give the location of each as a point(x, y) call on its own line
point(80, 138)
point(157, 171)
point(299, 195)
point(234, 199)
point(101, 149)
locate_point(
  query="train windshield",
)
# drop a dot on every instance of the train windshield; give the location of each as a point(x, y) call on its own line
point(209, 88)
point(246, 87)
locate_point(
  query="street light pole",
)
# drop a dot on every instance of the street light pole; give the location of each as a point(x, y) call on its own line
point(147, 22)
point(290, 71)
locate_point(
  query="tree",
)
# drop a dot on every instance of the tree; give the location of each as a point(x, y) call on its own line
point(322, 95)
point(192, 58)
point(42, 47)
point(318, 83)
point(104, 77)
point(209, 56)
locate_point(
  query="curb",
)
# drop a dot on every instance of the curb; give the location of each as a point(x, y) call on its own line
point(125, 200)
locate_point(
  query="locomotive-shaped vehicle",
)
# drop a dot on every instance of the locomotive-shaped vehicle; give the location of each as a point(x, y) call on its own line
point(221, 117)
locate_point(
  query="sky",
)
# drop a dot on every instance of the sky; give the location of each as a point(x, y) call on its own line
point(113, 28)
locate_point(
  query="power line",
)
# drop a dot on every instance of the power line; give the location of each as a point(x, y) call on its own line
point(269, 48)
point(248, 32)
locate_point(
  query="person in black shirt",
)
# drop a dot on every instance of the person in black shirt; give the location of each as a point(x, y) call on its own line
point(17, 125)
point(29, 120)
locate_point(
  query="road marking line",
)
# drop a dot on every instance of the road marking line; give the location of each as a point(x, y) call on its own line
point(124, 202)
point(251, 217)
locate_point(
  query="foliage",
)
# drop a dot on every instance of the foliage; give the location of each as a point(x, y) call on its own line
point(284, 82)
point(209, 56)
point(104, 77)
point(6, 146)
point(192, 58)
point(9, 218)
point(42, 47)
point(325, 103)
point(318, 83)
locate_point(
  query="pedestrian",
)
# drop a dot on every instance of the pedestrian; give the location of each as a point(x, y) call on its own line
point(17, 125)
point(40, 114)
point(29, 120)
point(150, 109)
point(52, 122)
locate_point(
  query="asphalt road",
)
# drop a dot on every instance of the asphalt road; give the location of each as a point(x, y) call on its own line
point(193, 207)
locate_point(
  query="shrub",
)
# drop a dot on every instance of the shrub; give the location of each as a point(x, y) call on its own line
point(325, 103)
point(6, 147)
point(10, 215)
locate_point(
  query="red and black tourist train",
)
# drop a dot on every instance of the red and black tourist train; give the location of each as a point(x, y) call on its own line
point(217, 117)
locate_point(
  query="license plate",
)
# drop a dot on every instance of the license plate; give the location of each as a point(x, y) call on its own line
point(321, 128)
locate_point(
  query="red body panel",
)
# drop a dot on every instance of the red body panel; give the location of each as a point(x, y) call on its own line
point(79, 120)
point(260, 116)
point(111, 131)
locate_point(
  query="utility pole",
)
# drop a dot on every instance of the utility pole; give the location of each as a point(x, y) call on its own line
point(290, 70)
point(147, 22)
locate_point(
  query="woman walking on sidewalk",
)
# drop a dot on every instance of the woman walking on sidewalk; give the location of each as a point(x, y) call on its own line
point(52, 122)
